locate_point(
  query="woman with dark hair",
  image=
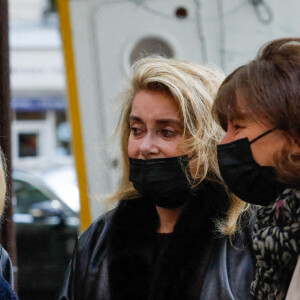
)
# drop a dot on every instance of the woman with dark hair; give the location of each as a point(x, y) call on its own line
point(259, 158)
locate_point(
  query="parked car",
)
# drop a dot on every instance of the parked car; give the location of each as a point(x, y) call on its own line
point(46, 219)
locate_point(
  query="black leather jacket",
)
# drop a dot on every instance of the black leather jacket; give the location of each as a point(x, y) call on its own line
point(6, 269)
point(6, 277)
point(227, 276)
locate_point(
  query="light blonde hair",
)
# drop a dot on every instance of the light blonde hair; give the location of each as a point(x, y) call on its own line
point(2, 182)
point(193, 87)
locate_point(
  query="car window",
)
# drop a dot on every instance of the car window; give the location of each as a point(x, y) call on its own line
point(26, 195)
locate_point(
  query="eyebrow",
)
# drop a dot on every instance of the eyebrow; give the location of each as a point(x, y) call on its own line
point(160, 121)
point(240, 117)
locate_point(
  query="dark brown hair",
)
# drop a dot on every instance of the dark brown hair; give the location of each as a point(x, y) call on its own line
point(269, 87)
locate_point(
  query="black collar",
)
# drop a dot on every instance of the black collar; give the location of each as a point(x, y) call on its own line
point(183, 267)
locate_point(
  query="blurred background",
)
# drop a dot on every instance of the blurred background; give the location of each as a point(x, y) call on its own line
point(45, 192)
point(68, 61)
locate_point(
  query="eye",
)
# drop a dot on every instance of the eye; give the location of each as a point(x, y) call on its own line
point(136, 131)
point(237, 126)
point(168, 133)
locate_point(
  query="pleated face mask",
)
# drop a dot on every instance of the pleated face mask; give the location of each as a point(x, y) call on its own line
point(161, 181)
point(244, 177)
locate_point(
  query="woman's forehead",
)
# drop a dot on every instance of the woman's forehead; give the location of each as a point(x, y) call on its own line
point(237, 106)
point(147, 103)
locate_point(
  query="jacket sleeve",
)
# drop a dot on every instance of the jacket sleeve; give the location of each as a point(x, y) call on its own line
point(73, 287)
point(231, 269)
point(6, 269)
point(67, 292)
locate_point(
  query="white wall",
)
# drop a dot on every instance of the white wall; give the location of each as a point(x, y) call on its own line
point(226, 33)
point(26, 10)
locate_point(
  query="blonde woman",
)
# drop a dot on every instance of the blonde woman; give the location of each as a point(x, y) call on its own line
point(161, 241)
point(6, 271)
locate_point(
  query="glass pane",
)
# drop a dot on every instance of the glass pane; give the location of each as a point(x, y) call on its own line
point(150, 46)
point(28, 144)
point(63, 135)
point(26, 195)
point(25, 115)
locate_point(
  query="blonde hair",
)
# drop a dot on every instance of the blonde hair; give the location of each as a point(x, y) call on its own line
point(194, 88)
point(2, 182)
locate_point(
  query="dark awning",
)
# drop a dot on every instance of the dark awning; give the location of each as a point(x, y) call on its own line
point(38, 103)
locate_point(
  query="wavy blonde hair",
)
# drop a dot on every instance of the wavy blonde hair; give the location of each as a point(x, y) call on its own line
point(194, 88)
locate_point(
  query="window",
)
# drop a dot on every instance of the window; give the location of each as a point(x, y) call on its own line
point(29, 141)
point(51, 7)
point(41, 139)
point(63, 135)
point(28, 144)
point(149, 46)
point(30, 116)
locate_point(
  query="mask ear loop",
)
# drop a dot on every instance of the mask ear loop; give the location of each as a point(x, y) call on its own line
point(260, 136)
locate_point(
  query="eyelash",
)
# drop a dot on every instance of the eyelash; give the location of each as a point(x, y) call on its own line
point(165, 132)
point(237, 126)
point(135, 131)
point(168, 133)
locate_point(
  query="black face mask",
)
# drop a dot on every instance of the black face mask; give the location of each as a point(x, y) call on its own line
point(161, 181)
point(244, 177)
